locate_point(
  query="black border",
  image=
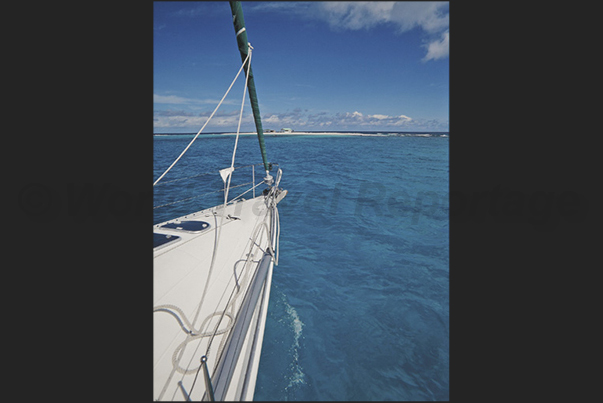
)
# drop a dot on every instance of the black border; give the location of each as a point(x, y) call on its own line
point(79, 84)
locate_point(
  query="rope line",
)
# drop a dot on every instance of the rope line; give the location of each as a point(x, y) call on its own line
point(186, 325)
point(234, 151)
point(198, 333)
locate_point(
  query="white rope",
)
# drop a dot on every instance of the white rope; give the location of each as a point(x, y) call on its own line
point(208, 119)
point(194, 333)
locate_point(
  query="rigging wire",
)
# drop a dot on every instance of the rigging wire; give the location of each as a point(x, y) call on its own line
point(208, 119)
point(234, 151)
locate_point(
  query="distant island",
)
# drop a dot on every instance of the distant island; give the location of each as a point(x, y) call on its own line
point(290, 132)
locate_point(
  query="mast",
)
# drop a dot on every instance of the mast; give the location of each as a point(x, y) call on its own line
point(239, 26)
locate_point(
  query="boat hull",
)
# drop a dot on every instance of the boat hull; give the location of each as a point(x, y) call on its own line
point(211, 292)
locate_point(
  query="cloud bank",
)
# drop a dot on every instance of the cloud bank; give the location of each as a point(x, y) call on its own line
point(176, 100)
point(298, 119)
point(339, 121)
point(192, 122)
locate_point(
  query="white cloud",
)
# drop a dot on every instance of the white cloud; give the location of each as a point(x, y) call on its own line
point(430, 16)
point(358, 119)
point(272, 119)
point(355, 15)
point(380, 117)
point(404, 15)
point(176, 100)
point(169, 99)
point(438, 49)
point(181, 119)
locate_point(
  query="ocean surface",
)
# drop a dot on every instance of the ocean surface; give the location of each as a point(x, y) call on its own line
point(359, 306)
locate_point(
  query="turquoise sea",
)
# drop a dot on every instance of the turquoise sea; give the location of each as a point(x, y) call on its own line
point(359, 305)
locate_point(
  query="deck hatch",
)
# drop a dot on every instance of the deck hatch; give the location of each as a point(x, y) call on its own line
point(188, 226)
point(162, 239)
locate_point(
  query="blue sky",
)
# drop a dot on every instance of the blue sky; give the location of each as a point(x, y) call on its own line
point(365, 66)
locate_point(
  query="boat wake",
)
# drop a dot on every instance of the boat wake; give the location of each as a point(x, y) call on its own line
point(297, 376)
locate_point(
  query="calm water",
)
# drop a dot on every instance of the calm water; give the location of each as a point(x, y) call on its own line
point(359, 306)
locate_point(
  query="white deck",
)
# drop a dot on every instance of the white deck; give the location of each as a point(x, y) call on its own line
point(180, 273)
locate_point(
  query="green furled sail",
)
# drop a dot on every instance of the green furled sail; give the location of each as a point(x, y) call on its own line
point(239, 26)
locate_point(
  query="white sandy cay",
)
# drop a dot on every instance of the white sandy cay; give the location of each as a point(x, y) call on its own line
point(398, 134)
point(307, 134)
